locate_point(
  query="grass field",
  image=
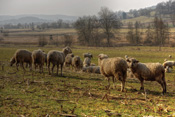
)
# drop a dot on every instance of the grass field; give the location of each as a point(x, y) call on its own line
point(83, 94)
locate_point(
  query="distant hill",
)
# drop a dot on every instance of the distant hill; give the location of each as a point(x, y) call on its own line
point(7, 19)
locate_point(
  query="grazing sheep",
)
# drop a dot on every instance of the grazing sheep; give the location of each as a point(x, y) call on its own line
point(21, 56)
point(57, 58)
point(87, 55)
point(12, 61)
point(92, 69)
point(169, 64)
point(38, 57)
point(148, 72)
point(76, 63)
point(113, 67)
point(68, 59)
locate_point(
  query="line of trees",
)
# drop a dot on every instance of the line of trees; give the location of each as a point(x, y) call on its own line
point(156, 34)
point(54, 25)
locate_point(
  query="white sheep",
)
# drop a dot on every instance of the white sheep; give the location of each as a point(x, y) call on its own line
point(76, 63)
point(87, 62)
point(68, 60)
point(38, 58)
point(57, 58)
point(87, 59)
point(169, 64)
point(102, 56)
point(92, 69)
point(21, 56)
point(148, 72)
point(113, 67)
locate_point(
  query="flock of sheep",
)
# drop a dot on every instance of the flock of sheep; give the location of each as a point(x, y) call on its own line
point(116, 67)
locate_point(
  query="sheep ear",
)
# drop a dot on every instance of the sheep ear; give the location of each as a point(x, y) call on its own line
point(127, 59)
point(136, 61)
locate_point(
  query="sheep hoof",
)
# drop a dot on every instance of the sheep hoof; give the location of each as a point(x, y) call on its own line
point(141, 88)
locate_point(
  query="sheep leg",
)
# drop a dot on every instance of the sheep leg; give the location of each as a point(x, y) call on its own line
point(113, 79)
point(142, 86)
point(17, 66)
point(61, 69)
point(53, 68)
point(122, 82)
point(22, 65)
point(163, 84)
point(30, 65)
point(57, 68)
point(49, 67)
point(35, 67)
point(108, 82)
point(40, 67)
point(123, 85)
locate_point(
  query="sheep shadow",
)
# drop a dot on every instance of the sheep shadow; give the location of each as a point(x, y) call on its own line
point(151, 92)
point(80, 78)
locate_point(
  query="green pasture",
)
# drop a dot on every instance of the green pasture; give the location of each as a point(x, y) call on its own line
point(83, 94)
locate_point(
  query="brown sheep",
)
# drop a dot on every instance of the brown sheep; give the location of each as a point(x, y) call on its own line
point(21, 56)
point(57, 58)
point(148, 72)
point(68, 60)
point(76, 63)
point(113, 67)
point(38, 58)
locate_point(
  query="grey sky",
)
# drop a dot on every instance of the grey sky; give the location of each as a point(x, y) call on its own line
point(70, 7)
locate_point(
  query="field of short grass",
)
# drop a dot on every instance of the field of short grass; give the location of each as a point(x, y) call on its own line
point(83, 94)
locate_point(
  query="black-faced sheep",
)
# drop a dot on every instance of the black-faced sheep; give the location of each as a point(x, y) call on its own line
point(38, 58)
point(22, 56)
point(57, 58)
point(113, 67)
point(87, 55)
point(148, 72)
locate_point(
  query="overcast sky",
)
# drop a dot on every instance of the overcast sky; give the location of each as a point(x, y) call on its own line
point(70, 7)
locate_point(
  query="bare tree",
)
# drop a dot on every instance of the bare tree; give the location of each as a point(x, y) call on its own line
point(134, 34)
point(149, 35)
point(109, 21)
point(161, 32)
point(87, 29)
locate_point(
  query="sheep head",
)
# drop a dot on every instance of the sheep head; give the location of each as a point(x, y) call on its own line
point(102, 56)
point(88, 55)
point(12, 61)
point(67, 50)
point(132, 62)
